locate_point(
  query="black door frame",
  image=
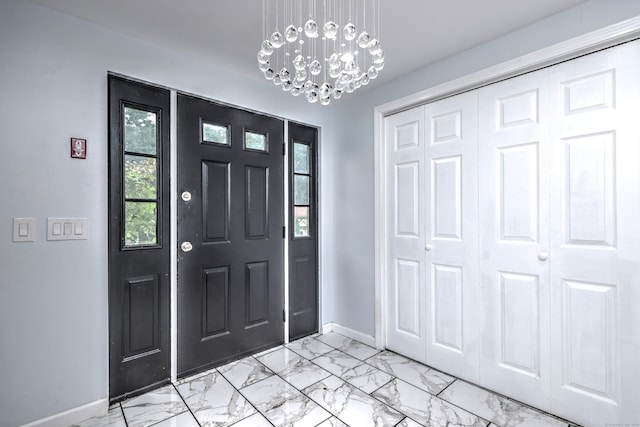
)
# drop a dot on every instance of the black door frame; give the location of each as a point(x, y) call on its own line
point(170, 234)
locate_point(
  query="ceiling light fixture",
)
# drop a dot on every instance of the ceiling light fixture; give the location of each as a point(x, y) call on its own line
point(321, 59)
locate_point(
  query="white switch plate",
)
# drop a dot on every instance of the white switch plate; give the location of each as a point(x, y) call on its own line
point(67, 228)
point(24, 229)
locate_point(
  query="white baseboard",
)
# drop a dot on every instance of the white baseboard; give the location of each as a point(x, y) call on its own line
point(350, 333)
point(74, 415)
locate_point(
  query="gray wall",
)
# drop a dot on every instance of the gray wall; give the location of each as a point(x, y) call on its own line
point(53, 295)
point(354, 261)
point(53, 85)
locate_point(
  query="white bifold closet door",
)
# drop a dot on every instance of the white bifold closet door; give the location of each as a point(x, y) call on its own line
point(513, 236)
point(405, 234)
point(432, 234)
point(451, 247)
point(560, 235)
point(595, 237)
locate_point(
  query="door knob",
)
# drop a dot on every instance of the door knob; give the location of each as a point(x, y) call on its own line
point(186, 196)
point(543, 256)
point(428, 247)
point(186, 246)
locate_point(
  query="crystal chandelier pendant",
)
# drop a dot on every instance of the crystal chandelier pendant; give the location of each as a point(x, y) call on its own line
point(330, 30)
point(374, 47)
point(363, 40)
point(284, 73)
point(269, 74)
point(277, 41)
point(267, 47)
point(291, 34)
point(320, 59)
point(311, 29)
point(263, 58)
point(299, 63)
point(265, 66)
point(349, 31)
point(315, 68)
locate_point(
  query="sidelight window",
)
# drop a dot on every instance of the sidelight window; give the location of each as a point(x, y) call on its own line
point(302, 197)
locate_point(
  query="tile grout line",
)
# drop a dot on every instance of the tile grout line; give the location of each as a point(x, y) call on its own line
point(431, 394)
point(186, 404)
point(448, 385)
point(245, 397)
point(126, 423)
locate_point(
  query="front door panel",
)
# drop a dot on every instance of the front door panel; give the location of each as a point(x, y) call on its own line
point(231, 247)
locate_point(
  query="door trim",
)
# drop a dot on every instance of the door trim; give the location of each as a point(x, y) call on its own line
point(582, 45)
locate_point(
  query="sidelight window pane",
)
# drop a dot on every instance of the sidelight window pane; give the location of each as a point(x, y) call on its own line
point(140, 177)
point(301, 221)
point(301, 158)
point(140, 223)
point(301, 190)
point(255, 141)
point(140, 131)
point(215, 133)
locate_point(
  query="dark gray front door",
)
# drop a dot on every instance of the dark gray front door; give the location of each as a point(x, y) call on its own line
point(230, 233)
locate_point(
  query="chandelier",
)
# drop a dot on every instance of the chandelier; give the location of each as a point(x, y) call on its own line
point(324, 54)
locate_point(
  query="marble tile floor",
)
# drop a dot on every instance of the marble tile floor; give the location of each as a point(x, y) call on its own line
point(326, 381)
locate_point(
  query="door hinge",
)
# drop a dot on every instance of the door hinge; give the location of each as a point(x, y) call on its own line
point(284, 319)
point(284, 149)
point(284, 232)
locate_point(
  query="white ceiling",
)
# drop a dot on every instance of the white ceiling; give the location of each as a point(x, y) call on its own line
point(414, 33)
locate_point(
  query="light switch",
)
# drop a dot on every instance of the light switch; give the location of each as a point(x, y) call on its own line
point(67, 228)
point(24, 229)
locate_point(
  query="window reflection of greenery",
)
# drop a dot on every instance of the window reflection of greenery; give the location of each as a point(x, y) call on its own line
point(301, 189)
point(140, 223)
point(215, 133)
point(300, 158)
point(140, 131)
point(255, 141)
point(140, 178)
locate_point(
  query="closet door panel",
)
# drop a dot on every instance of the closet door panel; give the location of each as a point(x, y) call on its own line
point(595, 264)
point(513, 226)
point(405, 267)
point(451, 244)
